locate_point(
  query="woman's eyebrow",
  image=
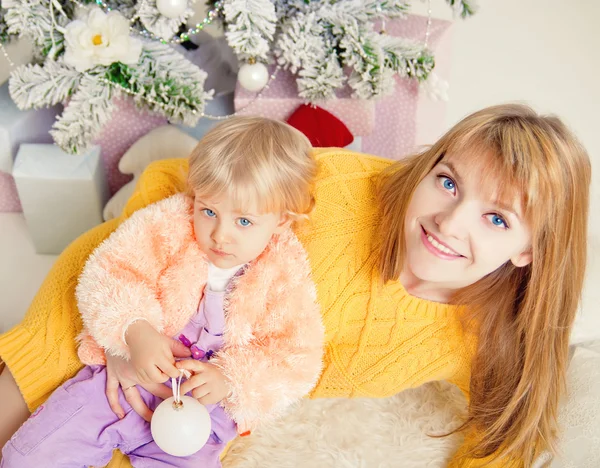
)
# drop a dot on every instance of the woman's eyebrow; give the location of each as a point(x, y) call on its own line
point(504, 207)
point(452, 168)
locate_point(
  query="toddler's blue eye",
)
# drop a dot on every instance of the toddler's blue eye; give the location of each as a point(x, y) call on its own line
point(209, 213)
point(244, 222)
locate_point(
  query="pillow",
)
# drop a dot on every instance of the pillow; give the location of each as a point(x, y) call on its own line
point(164, 142)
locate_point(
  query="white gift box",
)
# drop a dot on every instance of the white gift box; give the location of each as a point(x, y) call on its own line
point(62, 194)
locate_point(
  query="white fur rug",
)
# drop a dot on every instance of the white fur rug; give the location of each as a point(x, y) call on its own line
point(392, 432)
point(360, 433)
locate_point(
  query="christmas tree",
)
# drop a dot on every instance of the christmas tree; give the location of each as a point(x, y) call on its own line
point(88, 52)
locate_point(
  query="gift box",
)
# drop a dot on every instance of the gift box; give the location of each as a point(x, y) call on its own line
point(391, 126)
point(409, 118)
point(16, 127)
point(126, 125)
point(281, 99)
point(62, 195)
point(9, 198)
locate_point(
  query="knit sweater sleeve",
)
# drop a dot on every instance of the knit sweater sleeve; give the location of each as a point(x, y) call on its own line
point(41, 351)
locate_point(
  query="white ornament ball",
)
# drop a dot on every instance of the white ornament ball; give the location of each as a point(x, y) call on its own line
point(180, 431)
point(253, 76)
point(171, 8)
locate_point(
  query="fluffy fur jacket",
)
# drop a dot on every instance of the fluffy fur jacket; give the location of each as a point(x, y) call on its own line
point(151, 268)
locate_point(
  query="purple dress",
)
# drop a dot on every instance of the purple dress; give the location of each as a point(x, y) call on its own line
point(76, 428)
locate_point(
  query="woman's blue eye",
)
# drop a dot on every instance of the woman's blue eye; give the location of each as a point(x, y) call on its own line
point(498, 221)
point(244, 222)
point(448, 183)
point(209, 213)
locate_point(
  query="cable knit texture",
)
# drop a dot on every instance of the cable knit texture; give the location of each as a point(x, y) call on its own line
point(379, 339)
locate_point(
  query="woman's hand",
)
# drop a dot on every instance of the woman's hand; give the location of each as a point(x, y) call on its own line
point(121, 373)
point(151, 353)
point(207, 383)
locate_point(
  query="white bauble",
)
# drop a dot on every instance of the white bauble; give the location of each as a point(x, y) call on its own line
point(253, 76)
point(171, 8)
point(180, 430)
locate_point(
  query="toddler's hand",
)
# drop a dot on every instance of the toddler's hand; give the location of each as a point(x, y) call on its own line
point(207, 383)
point(151, 353)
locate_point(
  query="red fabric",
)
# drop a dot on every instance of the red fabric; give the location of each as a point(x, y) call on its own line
point(322, 128)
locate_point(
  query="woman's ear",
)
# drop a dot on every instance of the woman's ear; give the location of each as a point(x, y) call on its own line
point(522, 259)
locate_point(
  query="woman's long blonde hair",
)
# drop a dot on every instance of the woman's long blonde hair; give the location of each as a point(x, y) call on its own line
point(523, 316)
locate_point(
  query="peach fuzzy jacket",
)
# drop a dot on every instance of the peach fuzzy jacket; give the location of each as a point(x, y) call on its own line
point(151, 268)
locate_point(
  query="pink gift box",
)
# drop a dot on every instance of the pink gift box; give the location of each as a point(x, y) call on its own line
point(127, 124)
point(391, 126)
point(407, 119)
point(281, 100)
point(9, 198)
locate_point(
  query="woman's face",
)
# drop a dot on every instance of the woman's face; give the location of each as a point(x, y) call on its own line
point(457, 232)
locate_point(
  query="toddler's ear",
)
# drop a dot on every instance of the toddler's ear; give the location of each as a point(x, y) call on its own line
point(284, 223)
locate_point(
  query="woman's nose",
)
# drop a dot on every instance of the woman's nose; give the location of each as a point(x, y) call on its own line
point(453, 221)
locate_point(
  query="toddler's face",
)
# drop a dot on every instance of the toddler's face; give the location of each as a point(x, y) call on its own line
point(229, 237)
point(456, 232)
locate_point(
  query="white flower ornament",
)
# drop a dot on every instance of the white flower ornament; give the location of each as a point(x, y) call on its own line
point(100, 39)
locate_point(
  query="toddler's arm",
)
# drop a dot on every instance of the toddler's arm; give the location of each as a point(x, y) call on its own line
point(119, 285)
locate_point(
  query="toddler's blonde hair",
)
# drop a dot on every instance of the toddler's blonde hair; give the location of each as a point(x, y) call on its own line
point(255, 160)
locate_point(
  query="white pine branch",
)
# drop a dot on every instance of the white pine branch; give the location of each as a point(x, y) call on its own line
point(364, 53)
point(289, 8)
point(364, 11)
point(463, 8)
point(32, 19)
point(250, 27)
point(82, 120)
point(158, 24)
point(322, 37)
point(167, 82)
point(318, 81)
point(4, 35)
point(408, 58)
point(301, 42)
point(127, 8)
point(34, 86)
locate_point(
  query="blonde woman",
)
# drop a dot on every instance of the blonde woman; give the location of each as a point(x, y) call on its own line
point(493, 219)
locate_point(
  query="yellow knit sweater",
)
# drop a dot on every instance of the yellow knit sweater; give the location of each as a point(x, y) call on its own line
point(380, 340)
